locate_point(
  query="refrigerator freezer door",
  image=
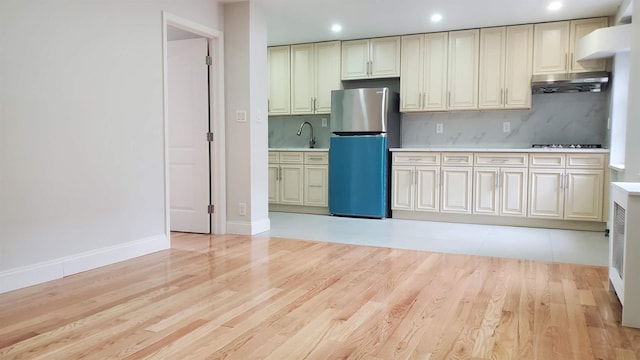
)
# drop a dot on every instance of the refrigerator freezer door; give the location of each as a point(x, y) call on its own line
point(359, 110)
point(358, 176)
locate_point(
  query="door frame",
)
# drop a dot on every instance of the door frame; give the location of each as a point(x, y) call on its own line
point(216, 119)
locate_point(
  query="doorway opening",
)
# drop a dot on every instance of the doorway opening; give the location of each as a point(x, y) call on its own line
point(194, 145)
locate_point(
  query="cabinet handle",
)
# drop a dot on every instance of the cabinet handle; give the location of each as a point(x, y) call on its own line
point(506, 96)
point(279, 173)
point(449, 99)
point(314, 158)
point(441, 178)
point(268, 105)
point(501, 178)
point(437, 178)
point(570, 62)
point(315, 104)
point(566, 181)
point(370, 68)
point(498, 160)
point(501, 96)
point(497, 179)
point(420, 101)
point(562, 181)
point(566, 61)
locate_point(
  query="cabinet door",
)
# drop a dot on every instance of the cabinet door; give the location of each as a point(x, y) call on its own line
point(279, 80)
point(551, 47)
point(385, 57)
point(402, 183)
point(486, 198)
point(355, 59)
point(435, 71)
point(463, 69)
point(327, 74)
point(580, 28)
point(513, 192)
point(291, 184)
point(492, 65)
point(546, 193)
point(456, 190)
point(584, 190)
point(274, 183)
point(411, 73)
point(428, 188)
point(302, 77)
point(316, 179)
point(518, 67)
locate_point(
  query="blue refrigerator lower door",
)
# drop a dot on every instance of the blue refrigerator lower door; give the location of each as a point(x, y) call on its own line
point(358, 176)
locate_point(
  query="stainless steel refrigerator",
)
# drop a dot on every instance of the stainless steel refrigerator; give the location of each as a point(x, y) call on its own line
point(365, 123)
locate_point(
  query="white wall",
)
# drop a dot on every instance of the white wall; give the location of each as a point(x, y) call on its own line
point(81, 125)
point(246, 90)
point(632, 146)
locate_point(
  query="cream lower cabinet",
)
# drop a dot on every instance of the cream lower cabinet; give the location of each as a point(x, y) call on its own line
point(566, 186)
point(415, 180)
point(456, 183)
point(285, 178)
point(500, 190)
point(316, 179)
point(298, 178)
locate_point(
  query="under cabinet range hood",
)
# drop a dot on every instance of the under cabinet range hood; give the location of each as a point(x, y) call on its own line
point(570, 82)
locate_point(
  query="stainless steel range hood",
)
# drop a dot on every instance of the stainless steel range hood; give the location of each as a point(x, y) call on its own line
point(569, 83)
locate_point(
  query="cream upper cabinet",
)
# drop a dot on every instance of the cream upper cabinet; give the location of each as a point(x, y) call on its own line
point(518, 67)
point(327, 74)
point(463, 69)
point(554, 46)
point(315, 72)
point(580, 28)
point(492, 67)
point(423, 80)
point(278, 59)
point(302, 79)
point(505, 67)
point(412, 73)
point(371, 58)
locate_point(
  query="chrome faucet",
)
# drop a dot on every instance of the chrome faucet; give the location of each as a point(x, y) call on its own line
point(312, 139)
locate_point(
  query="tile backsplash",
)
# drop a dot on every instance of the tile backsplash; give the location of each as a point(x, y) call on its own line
point(553, 118)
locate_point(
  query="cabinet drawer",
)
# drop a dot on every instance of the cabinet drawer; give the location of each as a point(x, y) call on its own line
point(499, 159)
point(585, 161)
point(546, 160)
point(291, 157)
point(316, 158)
point(457, 159)
point(274, 157)
point(416, 158)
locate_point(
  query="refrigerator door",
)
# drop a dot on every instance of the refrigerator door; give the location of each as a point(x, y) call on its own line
point(359, 111)
point(358, 176)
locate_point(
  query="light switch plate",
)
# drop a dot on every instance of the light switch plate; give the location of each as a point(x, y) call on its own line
point(324, 122)
point(439, 128)
point(506, 127)
point(241, 116)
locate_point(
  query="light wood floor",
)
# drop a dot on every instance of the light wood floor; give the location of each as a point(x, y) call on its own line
point(245, 298)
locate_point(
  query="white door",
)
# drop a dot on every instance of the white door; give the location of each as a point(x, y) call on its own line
point(188, 125)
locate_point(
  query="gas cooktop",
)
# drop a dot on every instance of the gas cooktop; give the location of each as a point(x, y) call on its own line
point(567, 146)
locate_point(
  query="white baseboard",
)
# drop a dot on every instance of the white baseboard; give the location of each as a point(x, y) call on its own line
point(25, 276)
point(248, 228)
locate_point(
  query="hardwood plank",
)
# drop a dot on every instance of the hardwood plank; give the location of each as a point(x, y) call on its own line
point(242, 297)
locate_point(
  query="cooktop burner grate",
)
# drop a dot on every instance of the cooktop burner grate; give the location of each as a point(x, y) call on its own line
point(567, 146)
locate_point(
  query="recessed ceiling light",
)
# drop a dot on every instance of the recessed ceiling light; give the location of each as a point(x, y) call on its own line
point(556, 5)
point(336, 27)
point(436, 17)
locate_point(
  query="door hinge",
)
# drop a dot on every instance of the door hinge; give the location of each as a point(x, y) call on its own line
point(209, 136)
point(209, 60)
point(210, 209)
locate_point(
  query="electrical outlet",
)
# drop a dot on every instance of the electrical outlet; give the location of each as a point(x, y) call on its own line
point(506, 127)
point(241, 116)
point(609, 123)
point(242, 209)
point(324, 122)
point(439, 128)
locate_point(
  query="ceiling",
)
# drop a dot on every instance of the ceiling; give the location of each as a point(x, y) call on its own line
point(298, 21)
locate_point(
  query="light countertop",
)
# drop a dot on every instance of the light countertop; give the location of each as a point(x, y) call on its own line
point(629, 187)
point(298, 149)
point(525, 150)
